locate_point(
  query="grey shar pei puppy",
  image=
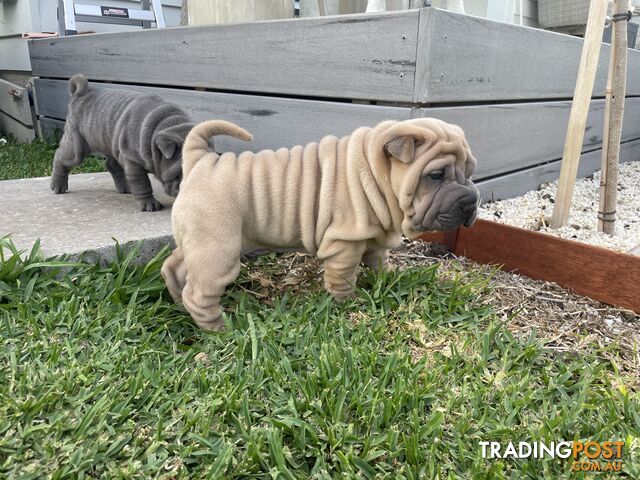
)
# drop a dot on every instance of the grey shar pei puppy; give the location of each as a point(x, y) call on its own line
point(138, 134)
point(347, 200)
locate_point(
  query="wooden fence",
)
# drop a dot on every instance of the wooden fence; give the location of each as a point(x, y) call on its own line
point(292, 81)
point(15, 111)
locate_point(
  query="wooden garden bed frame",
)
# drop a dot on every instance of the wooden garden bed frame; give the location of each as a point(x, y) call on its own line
point(601, 274)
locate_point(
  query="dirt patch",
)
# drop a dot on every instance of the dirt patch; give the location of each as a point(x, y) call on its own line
point(568, 322)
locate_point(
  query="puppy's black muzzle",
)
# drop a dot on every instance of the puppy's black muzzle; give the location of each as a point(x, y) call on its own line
point(172, 188)
point(453, 205)
point(462, 212)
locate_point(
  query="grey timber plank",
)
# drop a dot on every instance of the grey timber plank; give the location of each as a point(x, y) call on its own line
point(21, 132)
point(462, 58)
point(274, 122)
point(507, 185)
point(50, 127)
point(51, 97)
point(350, 56)
point(518, 183)
point(509, 137)
point(503, 138)
point(14, 101)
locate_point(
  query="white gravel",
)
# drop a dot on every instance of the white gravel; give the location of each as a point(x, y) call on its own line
point(533, 211)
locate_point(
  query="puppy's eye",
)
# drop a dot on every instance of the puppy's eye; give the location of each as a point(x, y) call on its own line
point(438, 175)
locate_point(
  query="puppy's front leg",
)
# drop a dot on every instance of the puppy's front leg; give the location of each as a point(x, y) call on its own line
point(340, 269)
point(117, 173)
point(138, 180)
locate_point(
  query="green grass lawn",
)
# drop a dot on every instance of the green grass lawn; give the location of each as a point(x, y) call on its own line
point(20, 160)
point(102, 376)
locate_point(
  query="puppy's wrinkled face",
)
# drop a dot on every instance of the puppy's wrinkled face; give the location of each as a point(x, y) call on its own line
point(171, 172)
point(441, 202)
point(167, 156)
point(434, 192)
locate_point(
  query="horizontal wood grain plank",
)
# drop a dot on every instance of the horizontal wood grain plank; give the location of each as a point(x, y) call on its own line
point(462, 58)
point(504, 138)
point(426, 56)
point(274, 122)
point(511, 137)
point(350, 56)
point(518, 183)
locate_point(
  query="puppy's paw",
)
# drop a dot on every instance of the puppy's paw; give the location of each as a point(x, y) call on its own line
point(341, 293)
point(59, 184)
point(211, 326)
point(211, 321)
point(389, 267)
point(150, 205)
point(377, 268)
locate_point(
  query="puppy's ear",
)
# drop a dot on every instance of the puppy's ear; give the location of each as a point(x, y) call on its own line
point(170, 139)
point(401, 148)
point(166, 145)
point(171, 171)
point(166, 148)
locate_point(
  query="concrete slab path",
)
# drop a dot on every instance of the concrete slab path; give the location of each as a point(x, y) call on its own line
point(88, 219)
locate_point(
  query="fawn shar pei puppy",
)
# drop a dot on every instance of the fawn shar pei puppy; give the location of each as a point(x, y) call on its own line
point(137, 133)
point(347, 200)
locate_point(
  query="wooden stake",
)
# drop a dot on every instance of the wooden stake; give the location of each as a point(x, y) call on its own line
point(606, 128)
point(618, 74)
point(579, 111)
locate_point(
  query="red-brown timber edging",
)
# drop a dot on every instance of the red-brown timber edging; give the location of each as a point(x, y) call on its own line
point(598, 273)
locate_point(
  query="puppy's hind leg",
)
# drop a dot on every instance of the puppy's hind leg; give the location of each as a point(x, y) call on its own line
point(174, 272)
point(117, 173)
point(70, 152)
point(211, 265)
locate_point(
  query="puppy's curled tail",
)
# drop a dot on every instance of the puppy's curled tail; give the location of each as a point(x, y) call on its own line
point(78, 85)
point(197, 142)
